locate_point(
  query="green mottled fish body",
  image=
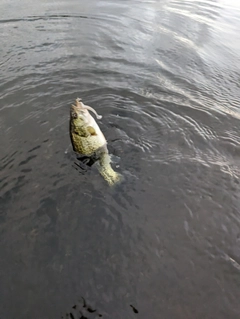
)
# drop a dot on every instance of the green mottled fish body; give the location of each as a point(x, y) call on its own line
point(84, 142)
point(87, 139)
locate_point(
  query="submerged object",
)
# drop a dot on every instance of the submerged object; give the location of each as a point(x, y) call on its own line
point(87, 139)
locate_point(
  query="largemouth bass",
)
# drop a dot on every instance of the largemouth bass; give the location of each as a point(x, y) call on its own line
point(87, 139)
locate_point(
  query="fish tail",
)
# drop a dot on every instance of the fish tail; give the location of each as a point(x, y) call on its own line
point(107, 172)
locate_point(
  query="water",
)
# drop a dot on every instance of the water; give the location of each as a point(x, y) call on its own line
point(165, 77)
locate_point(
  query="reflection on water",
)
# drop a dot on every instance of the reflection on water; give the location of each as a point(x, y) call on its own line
point(165, 77)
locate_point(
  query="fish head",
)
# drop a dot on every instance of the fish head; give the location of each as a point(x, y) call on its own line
point(79, 116)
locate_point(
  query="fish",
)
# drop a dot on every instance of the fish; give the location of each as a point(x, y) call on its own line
point(88, 140)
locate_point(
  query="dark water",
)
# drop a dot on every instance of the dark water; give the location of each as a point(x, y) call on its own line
point(165, 76)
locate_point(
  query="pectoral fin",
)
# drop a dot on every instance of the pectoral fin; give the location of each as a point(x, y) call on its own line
point(91, 130)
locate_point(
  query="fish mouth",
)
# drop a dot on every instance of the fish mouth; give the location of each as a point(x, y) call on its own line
point(80, 106)
point(78, 113)
point(75, 108)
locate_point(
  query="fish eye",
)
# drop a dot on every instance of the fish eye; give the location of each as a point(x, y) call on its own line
point(74, 115)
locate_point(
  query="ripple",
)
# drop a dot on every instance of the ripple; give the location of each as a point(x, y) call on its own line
point(164, 76)
point(46, 18)
point(197, 11)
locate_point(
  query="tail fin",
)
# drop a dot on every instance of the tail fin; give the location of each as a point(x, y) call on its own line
point(105, 169)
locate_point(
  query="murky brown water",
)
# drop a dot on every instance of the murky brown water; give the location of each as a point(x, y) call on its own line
point(165, 243)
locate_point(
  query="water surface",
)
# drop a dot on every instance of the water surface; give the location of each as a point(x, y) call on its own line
point(165, 77)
